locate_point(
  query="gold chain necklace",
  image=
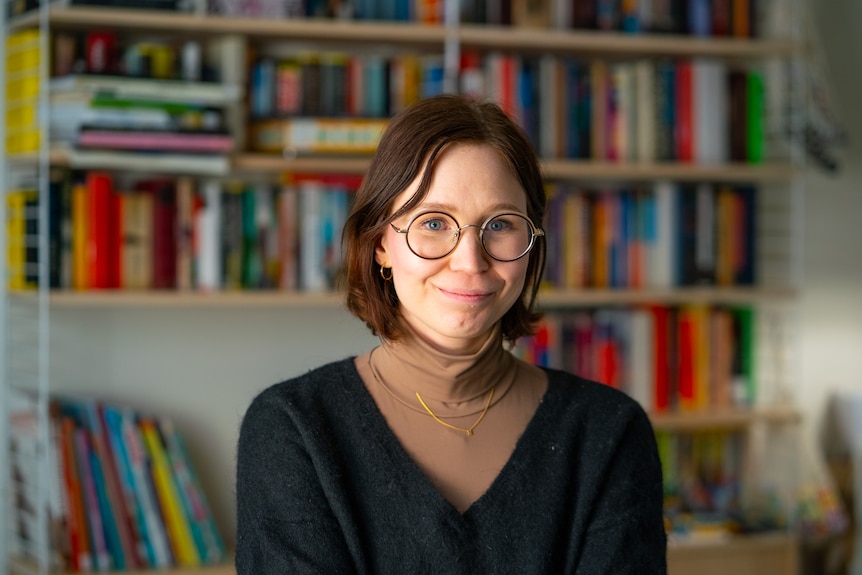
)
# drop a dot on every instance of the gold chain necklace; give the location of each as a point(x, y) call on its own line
point(467, 430)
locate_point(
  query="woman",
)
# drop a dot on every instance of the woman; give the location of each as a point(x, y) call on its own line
point(438, 451)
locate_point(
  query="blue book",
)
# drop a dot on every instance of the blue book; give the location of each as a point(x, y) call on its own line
point(206, 537)
point(574, 103)
point(113, 422)
point(699, 18)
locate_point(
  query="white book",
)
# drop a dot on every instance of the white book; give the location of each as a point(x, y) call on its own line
point(288, 237)
point(312, 276)
point(209, 93)
point(645, 111)
point(166, 163)
point(493, 74)
point(662, 253)
point(208, 224)
point(710, 115)
point(621, 132)
point(561, 14)
point(641, 357)
point(550, 95)
point(705, 247)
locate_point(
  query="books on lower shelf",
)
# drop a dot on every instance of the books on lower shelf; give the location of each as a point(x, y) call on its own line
point(690, 358)
point(123, 493)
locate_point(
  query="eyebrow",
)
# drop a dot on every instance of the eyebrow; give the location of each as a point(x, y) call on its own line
point(434, 206)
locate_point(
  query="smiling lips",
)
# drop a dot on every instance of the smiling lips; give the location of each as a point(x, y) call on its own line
point(467, 296)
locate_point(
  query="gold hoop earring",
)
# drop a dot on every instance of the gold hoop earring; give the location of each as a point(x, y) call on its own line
point(384, 275)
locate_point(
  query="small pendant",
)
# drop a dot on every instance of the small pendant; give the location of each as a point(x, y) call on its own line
point(469, 432)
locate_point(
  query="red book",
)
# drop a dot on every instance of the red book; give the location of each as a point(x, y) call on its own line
point(720, 17)
point(661, 365)
point(164, 232)
point(684, 128)
point(687, 376)
point(103, 249)
point(76, 521)
point(507, 85)
point(607, 349)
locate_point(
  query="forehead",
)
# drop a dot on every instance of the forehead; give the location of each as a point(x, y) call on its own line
point(469, 179)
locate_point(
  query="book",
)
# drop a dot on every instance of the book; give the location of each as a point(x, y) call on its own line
point(112, 423)
point(207, 539)
point(185, 200)
point(22, 217)
point(203, 93)
point(140, 463)
point(137, 240)
point(152, 140)
point(80, 542)
point(102, 558)
point(176, 522)
point(173, 163)
point(208, 225)
point(297, 136)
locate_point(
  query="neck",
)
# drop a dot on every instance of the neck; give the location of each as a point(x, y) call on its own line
point(411, 366)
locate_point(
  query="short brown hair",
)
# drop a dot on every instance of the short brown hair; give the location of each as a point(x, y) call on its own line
point(411, 143)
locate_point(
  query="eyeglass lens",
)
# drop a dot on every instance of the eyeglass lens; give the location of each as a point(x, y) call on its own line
point(506, 237)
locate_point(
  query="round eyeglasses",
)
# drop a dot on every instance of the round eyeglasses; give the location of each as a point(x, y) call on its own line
point(505, 237)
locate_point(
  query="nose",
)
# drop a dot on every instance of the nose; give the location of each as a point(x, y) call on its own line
point(469, 255)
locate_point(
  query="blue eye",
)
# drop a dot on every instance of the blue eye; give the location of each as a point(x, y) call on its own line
point(499, 225)
point(434, 223)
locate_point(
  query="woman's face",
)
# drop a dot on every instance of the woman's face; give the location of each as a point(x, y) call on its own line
point(453, 302)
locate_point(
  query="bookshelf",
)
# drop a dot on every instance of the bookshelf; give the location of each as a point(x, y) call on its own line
point(248, 36)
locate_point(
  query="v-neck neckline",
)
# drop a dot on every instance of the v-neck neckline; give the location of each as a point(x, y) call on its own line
point(386, 439)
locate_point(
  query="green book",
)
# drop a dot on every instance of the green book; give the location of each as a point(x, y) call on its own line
point(754, 118)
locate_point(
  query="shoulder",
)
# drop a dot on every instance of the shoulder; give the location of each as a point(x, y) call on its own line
point(591, 401)
point(315, 390)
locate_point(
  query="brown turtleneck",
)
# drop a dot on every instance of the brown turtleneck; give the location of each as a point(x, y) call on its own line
point(456, 389)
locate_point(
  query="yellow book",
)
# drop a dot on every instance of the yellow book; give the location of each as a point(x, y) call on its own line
point(703, 352)
point(21, 256)
point(176, 522)
point(80, 242)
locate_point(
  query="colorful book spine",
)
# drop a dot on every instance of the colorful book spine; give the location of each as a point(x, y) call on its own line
point(159, 550)
point(205, 534)
point(178, 528)
point(84, 456)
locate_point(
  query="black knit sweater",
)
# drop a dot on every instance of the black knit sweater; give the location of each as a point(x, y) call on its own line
point(323, 486)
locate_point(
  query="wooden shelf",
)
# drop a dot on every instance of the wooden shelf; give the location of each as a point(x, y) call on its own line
point(27, 567)
point(585, 42)
point(271, 298)
point(670, 296)
point(588, 170)
point(192, 299)
point(287, 29)
point(743, 555)
point(583, 170)
point(602, 43)
point(273, 163)
point(553, 169)
point(727, 419)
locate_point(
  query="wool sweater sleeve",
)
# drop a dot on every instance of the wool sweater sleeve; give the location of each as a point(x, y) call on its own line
point(626, 533)
point(284, 521)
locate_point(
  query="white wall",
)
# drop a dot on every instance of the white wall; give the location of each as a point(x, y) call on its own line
point(200, 367)
point(831, 336)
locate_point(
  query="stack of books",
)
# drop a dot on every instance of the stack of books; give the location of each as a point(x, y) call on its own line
point(122, 495)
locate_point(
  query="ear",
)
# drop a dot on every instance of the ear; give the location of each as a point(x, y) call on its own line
point(381, 254)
